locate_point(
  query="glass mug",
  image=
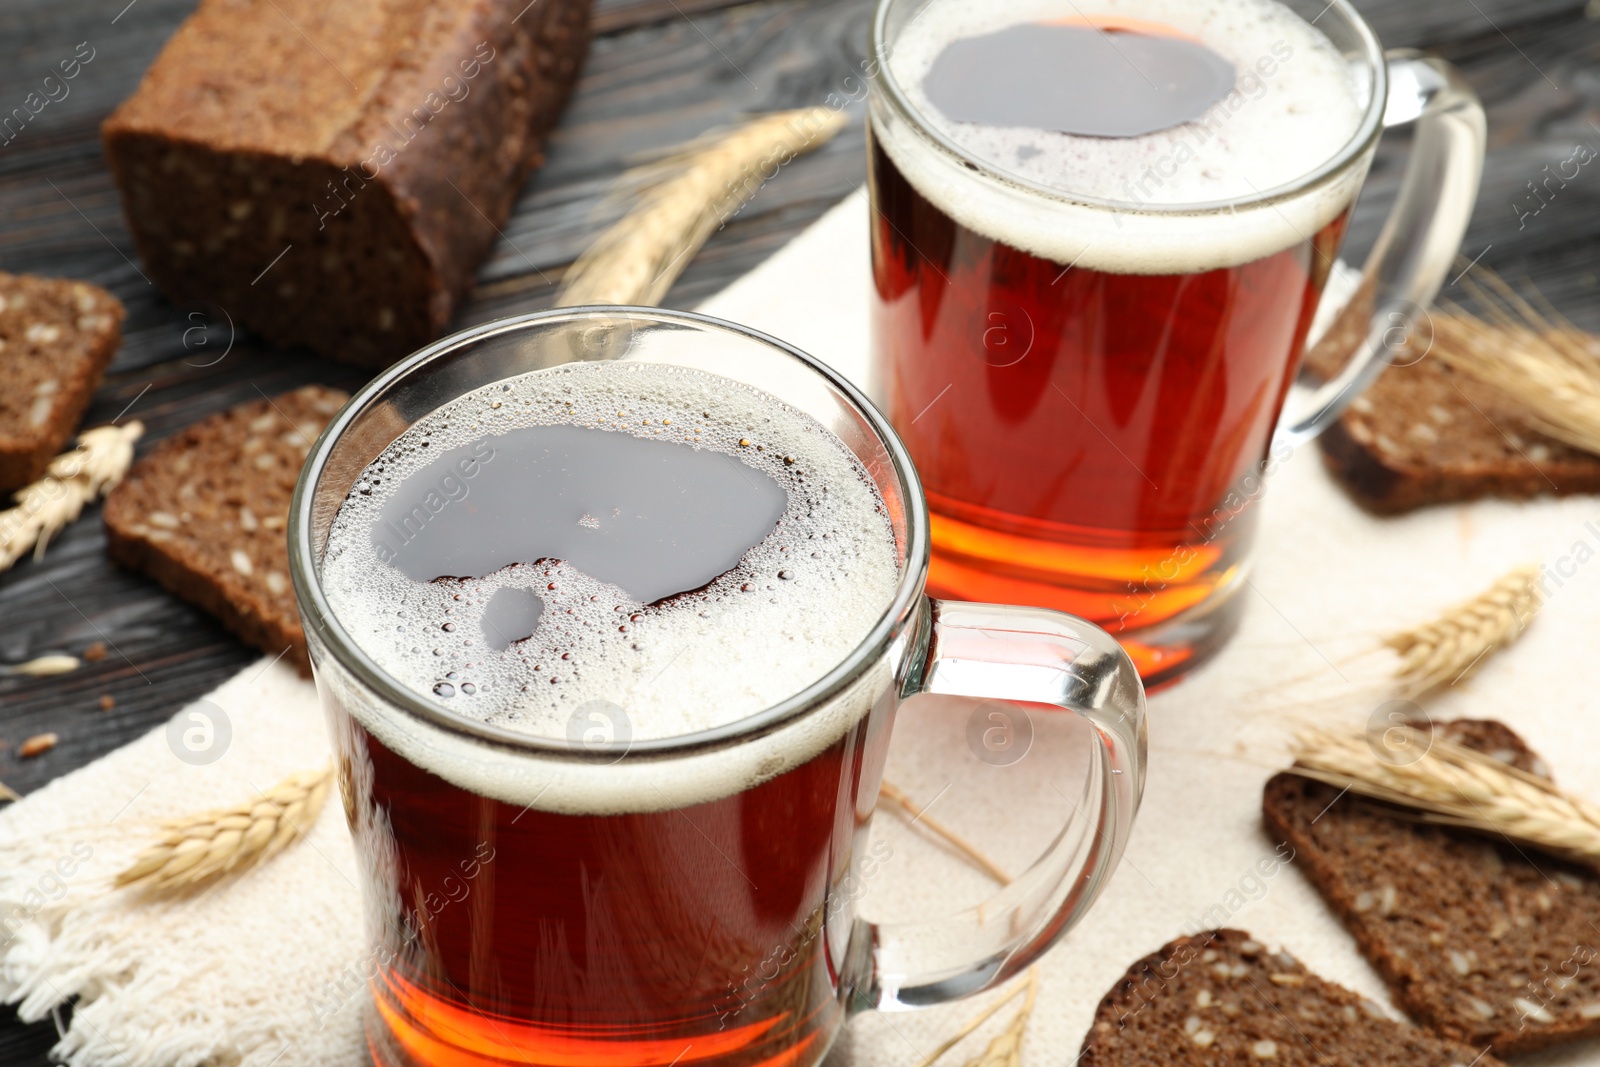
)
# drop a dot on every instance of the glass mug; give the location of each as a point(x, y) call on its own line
point(519, 913)
point(1093, 422)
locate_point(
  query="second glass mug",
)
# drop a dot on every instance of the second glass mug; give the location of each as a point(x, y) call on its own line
point(519, 911)
point(1129, 498)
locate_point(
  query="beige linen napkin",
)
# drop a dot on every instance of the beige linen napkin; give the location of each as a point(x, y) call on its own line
point(265, 970)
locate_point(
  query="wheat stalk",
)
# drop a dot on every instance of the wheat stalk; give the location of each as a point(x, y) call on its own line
point(1537, 359)
point(897, 796)
point(197, 848)
point(1006, 1048)
point(638, 259)
point(72, 480)
point(1453, 785)
point(1447, 649)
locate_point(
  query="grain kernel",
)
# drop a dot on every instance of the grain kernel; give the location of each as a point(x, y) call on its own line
point(1529, 1009)
point(1423, 433)
point(38, 745)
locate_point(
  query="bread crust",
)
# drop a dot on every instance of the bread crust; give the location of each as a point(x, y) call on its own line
point(1423, 434)
point(57, 336)
point(1452, 891)
point(205, 514)
point(1219, 996)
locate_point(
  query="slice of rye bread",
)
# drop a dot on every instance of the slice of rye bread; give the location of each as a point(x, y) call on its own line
point(1425, 434)
point(1478, 939)
point(56, 338)
point(1220, 997)
point(341, 203)
point(205, 514)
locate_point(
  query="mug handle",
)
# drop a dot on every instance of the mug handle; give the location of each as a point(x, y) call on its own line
point(1419, 242)
point(1039, 656)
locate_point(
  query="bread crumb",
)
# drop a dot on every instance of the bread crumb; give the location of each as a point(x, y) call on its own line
point(107, 701)
point(95, 652)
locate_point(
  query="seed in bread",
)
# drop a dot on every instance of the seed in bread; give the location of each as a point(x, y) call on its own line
point(56, 338)
point(1222, 997)
point(331, 174)
point(1477, 938)
point(206, 513)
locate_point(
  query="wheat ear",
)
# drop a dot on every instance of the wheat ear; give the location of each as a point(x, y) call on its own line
point(1006, 1048)
point(1453, 785)
point(1537, 359)
point(72, 480)
point(638, 259)
point(1447, 649)
point(197, 848)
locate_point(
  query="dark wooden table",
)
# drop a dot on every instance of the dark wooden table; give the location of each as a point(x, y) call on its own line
point(661, 72)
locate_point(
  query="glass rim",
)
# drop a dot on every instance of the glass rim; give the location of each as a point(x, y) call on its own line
point(312, 601)
point(1366, 133)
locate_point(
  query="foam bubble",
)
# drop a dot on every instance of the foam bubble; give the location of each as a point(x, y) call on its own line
point(793, 607)
point(1296, 104)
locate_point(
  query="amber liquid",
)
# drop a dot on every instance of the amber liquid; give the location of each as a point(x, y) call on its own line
point(1090, 442)
point(707, 935)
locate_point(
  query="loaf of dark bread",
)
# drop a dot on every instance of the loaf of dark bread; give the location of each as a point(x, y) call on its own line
point(332, 174)
point(56, 338)
point(1221, 997)
point(1478, 939)
point(206, 513)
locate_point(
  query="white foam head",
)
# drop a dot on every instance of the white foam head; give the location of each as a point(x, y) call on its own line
point(1297, 102)
point(794, 607)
